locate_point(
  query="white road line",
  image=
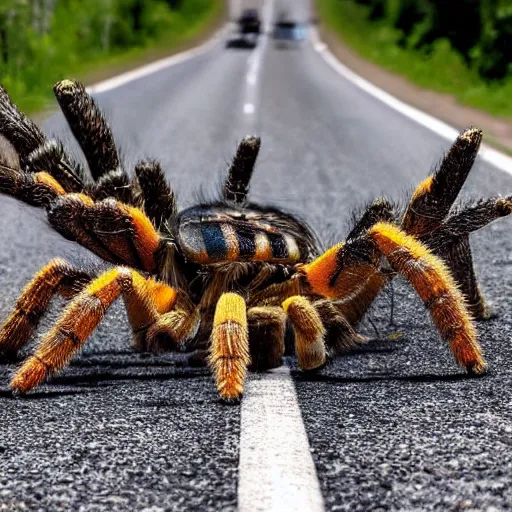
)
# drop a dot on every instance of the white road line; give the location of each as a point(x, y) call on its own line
point(143, 71)
point(490, 155)
point(249, 108)
point(254, 66)
point(276, 471)
point(254, 62)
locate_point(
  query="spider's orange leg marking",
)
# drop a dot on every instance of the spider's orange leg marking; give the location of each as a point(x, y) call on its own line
point(145, 237)
point(57, 276)
point(436, 287)
point(229, 351)
point(49, 181)
point(37, 189)
point(114, 231)
point(171, 327)
point(309, 332)
point(82, 316)
point(330, 276)
point(341, 273)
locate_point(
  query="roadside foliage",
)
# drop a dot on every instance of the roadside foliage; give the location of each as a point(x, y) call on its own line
point(480, 30)
point(461, 47)
point(42, 41)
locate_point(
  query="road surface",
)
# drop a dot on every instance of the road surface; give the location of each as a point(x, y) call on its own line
point(395, 427)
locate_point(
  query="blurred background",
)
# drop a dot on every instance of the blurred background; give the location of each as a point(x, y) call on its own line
point(42, 41)
point(459, 47)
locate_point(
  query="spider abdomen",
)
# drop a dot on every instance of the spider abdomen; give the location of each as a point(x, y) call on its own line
point(213, 234)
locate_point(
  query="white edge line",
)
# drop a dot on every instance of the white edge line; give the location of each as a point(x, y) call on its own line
point(276, 469)
point(148, 69)
point(500, 160)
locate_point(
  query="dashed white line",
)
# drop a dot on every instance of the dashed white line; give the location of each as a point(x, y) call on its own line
point(249, 108)
point(490, 155)
point(251, 78)
point(254, 64)
point(255, 60)
point(276, 471)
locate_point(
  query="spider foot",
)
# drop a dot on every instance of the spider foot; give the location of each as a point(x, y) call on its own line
point(477, 369)
point(487, 313)
point(31, 374)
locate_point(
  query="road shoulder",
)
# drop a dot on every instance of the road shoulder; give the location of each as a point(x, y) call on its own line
point(498, 131)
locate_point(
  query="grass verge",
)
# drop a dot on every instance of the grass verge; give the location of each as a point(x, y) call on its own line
point(442, 69)
point(40, 100)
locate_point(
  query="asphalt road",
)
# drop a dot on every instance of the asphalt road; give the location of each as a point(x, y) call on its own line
point(396, 427)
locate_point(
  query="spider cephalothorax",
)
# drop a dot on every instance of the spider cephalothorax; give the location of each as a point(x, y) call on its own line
point(224, 279)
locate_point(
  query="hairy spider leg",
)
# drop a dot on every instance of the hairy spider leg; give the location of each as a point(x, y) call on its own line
point(145, 300)
point(56, 277)
point(319, 328)
point(471, 218)
point(451, 242)
point(229, 346)
point(236, 186)
point(158, 198)
point(36, 153)
point(309, 332)
point(88, 126)
point(340, 337)
point(341, 270)
point(173, 328)
point(434, 197)
point(18, 129)
point(116, 232)
point(38, 189)
point(355, 306)
point(436, 287)
point(427, 209)
point(432, 202)
point(267, 326)
point(94, 136)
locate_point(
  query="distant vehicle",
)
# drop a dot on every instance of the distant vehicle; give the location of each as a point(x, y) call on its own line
point(249, 28)
point(287, 32)
point(249, 22)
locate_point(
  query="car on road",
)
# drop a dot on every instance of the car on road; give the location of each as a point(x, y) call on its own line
point(249, 22)
point(248, 30)
point(287, 32)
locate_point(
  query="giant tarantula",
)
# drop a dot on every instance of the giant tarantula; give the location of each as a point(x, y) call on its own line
point(223, 279)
